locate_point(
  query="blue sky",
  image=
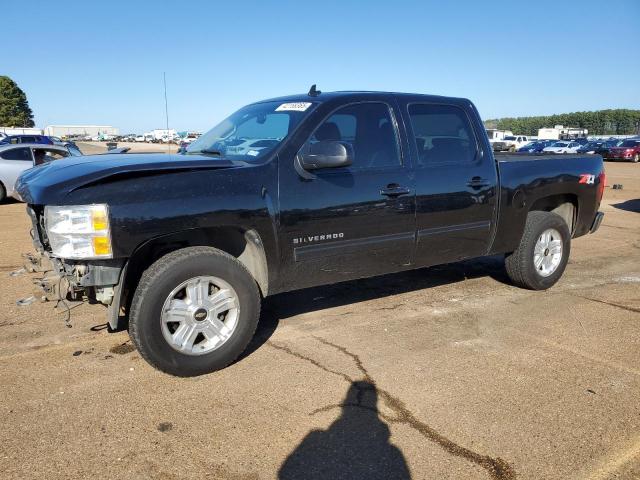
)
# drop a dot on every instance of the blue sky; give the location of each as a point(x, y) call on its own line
point(102, 62)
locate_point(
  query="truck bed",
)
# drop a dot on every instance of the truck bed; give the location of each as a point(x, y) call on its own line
point(525, 178)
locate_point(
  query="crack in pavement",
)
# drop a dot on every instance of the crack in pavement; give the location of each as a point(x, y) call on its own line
point(497, 468)
point(612, 304)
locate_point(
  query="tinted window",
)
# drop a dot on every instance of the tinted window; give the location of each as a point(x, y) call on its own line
point(28, 139)
point(22, 154)
point(443, 134)
point(368, 129)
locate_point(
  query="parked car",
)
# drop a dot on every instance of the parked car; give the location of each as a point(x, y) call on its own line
point(140, 138)
point(627, 150)
point(604, 148)
point(580, 140)
point(591, 147)
point(536, 147)
point(184, 142)
point(562, 147)
point(16, 139)
point(510, 143)
point(291, 193)
point(60, 142)
point(16, 158)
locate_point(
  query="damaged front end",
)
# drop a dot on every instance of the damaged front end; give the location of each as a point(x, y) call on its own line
point(71, 282)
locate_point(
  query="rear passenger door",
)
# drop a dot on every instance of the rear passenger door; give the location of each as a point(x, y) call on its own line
point(456, 183)
point(354, 221)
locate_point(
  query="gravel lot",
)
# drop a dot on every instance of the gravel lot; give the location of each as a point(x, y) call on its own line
point(447, 372)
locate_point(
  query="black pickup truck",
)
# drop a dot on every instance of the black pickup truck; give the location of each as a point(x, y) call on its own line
point(291, 193)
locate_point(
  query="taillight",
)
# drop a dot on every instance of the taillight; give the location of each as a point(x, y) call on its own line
point(602, 182)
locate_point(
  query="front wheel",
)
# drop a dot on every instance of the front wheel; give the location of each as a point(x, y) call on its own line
point(3, 193)
point(194, 311)
point(636, 158)
point(543, 253)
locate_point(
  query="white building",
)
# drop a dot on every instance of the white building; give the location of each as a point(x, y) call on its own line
point(84, 130)
point(20, 131)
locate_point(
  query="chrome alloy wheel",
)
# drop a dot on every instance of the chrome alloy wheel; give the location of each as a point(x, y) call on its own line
point(547, 254)
point(200, 315)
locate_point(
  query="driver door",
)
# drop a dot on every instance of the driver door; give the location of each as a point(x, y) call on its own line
point(355, 221)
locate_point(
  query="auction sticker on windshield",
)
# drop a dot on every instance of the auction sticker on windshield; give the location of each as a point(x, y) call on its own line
point(296, 107)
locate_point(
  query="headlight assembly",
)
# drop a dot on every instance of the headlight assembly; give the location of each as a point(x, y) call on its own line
point(79, 232)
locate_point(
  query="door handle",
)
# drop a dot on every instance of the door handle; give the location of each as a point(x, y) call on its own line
point(477, 182)
point(394, 190)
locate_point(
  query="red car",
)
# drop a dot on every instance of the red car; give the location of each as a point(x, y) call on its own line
point(627, 150)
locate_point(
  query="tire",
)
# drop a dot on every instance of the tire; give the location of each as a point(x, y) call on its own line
point(636, 158)
point(512, 149)
point(150, 332)
point(3, 193)
point(520, 264)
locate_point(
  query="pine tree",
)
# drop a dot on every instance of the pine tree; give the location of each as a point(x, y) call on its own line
point(14, 107)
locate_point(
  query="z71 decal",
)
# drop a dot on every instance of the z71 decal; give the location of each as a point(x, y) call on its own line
point(587, 179)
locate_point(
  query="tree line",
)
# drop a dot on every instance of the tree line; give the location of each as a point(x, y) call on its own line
point(602, 122)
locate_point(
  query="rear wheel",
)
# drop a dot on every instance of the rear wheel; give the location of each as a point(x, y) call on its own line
point(194, 311)
point(636, 158)
point(540, 259)
point(3, 193)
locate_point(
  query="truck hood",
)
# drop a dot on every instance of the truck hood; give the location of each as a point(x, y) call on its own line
point(48, 184)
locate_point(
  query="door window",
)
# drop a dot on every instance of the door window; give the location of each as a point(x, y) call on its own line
point(44, 155)
point(20, 154)
point(368, 129)
point(443, 134)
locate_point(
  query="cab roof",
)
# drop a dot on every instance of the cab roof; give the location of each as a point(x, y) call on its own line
point(371, 95)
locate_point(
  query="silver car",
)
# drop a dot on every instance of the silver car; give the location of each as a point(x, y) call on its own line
point(16, 158)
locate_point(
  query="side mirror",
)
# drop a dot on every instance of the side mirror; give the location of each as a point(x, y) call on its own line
point(326, 154)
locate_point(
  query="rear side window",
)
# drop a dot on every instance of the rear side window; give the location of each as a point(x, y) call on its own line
point(28, 140)
point(20, 154)
point(368, 129)
point(43, 155)
point(442, 133)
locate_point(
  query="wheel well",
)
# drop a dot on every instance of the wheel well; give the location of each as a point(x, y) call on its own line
point(564, 205)
point(245, 245)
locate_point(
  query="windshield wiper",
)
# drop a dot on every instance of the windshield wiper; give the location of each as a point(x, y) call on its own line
point(207, 151)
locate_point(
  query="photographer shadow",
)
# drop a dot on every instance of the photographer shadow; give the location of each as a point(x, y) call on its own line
point(355, 446)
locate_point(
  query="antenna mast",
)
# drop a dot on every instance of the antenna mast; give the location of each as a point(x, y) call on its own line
point(166, 105)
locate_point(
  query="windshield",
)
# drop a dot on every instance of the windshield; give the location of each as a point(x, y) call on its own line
point(75, 151)
point(560, 144)
point(252, 132)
